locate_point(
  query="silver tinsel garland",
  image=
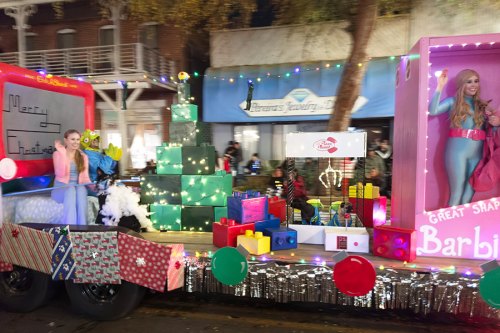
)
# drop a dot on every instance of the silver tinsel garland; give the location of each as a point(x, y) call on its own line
point(420, 292)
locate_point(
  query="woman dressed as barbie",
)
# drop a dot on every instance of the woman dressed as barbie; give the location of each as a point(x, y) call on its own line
point(464, 147)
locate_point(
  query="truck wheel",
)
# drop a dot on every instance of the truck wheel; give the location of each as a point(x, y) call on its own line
point(104, 301)
point(24, 290)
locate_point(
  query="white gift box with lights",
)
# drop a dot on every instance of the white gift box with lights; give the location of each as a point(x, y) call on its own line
point(348, 239)
point(309, 234)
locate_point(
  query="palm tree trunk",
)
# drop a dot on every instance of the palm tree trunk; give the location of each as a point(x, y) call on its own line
point(363, 24)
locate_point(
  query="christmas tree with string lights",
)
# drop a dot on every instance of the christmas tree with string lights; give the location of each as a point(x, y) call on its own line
point(186, 194)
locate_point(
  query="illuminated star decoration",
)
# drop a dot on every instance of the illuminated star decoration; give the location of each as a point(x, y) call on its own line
point(140, 262)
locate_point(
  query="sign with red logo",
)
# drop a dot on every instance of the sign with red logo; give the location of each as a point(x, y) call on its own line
point(326, 144)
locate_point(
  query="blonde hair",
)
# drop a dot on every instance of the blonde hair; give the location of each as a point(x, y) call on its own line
point(78, 156)
point(461, 109)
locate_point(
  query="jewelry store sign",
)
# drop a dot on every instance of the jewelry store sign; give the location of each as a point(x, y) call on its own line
point(298, 102)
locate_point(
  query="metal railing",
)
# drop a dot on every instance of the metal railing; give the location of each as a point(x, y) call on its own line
point(98, 60)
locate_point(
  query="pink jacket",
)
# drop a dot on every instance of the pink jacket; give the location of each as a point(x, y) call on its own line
point(61, 167)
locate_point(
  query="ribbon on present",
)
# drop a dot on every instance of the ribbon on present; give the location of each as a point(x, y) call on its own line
point(5, 266)
point(63, 263)
point(96, 257)
point(27, 247)
point(176, 267)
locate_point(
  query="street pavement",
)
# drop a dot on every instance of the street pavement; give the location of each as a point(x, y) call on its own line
point(180, 312)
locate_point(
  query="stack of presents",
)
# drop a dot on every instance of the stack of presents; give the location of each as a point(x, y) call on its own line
point(186, 194)
point(92, 257)
point(250, 224)
point(369, 207)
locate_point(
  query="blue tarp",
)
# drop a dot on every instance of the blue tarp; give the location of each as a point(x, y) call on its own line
point(225, 91)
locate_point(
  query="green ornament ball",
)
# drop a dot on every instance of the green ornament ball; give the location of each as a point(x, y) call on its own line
point(488, 287)
point(229, 266)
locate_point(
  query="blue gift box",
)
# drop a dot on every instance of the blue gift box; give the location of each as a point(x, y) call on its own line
point(271, 222)
point(282, 238)
point(247, 207)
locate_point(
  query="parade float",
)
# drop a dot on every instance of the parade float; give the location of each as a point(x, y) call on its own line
point(428, 258)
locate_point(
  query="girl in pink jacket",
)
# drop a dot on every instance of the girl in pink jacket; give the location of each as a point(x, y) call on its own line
point(71, 167)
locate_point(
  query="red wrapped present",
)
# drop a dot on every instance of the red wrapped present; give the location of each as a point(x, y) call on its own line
point(27, 247)
point(96, 257)
point(226, 231)
point(176, 267)
point(143, 262)
point(277, 207)
point(4, 266)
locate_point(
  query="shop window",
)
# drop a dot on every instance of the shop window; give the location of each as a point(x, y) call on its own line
point(248, 137)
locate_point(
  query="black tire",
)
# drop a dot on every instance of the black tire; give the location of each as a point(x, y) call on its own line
point(104, 301)
point(24, 290)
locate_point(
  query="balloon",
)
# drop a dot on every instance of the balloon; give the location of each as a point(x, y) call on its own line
point(229, 266)
point(488, 287)
point(354, 276)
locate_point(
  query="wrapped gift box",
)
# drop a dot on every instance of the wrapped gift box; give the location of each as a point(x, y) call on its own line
point(247, 207)
point(143, 262)
point(176, 266)
point(17, 247)
point(348, 239)
point(4, 266)
point(166, 217)
point(96, 257)
point(395, 243)
point(198, 160)
point(190, 133)
point(255, 244)
point(220, 212)
point(163, 189)
point(282, 238)
point(184, 112)
point(226, 232)
point(309, 234)
point(206, 190)
point(63, 263)
point(372, 212)
point(169, 159)
point(270, 222)
point(197, 218)
point(277, 207)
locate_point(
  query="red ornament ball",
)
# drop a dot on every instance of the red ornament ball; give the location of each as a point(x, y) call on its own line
point(354, 276)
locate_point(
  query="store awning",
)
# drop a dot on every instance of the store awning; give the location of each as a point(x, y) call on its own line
point(293, 92)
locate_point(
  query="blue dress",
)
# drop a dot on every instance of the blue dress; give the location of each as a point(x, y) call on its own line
point(74, 198)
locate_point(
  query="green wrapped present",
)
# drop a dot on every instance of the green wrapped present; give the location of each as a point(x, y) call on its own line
point(161, 189)
point(219, 212)
point(198, 160)
point(197, 218)
point(206, 190)
point(184, 112)
point(166, 217)
point(169, 159)
point(190, 133)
